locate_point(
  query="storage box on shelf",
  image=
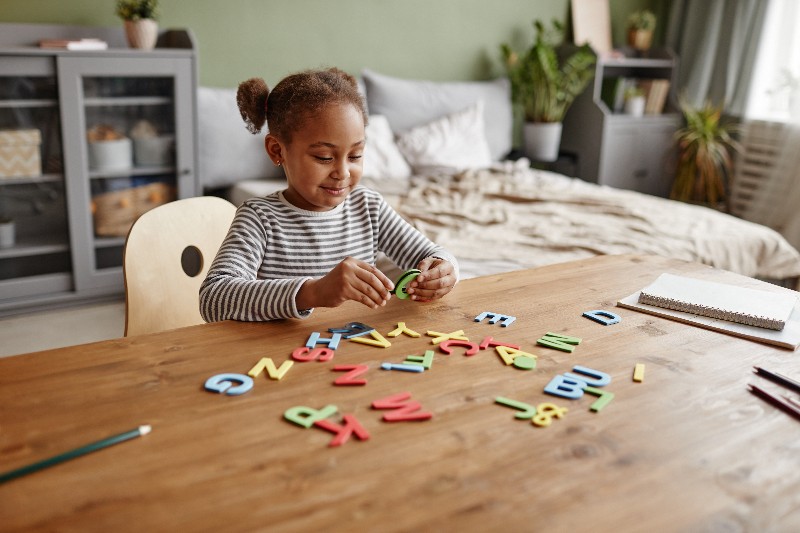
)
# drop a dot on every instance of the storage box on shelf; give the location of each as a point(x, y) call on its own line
point(71, 215)
point(20, 153)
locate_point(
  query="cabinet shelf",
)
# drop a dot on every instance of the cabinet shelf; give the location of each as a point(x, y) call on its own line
point(41, 245)
point(133, 171)
point(115, 101)
point(17, 104)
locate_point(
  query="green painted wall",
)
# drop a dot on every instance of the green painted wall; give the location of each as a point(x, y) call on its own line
point(424, 39)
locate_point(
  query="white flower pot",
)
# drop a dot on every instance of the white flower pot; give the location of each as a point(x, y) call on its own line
point(142, 33)
point(541, 140)
point(635, 106)
point(7, 234)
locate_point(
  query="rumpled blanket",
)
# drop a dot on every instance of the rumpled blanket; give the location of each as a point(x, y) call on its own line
point(515, 217)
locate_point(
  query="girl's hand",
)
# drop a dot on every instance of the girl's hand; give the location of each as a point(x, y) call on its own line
point(437, 277)
point(349, 280)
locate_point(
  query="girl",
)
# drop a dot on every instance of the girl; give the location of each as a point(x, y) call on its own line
point(315, 244)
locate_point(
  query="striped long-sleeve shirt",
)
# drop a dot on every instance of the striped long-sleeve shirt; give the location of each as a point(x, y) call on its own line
point(273, 247)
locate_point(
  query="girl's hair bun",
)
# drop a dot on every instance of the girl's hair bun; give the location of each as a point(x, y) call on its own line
point(251, 97)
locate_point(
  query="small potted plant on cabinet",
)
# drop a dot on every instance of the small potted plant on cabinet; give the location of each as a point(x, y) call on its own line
point(705, 151)
point(635, 101)
point(641, 25)
point(141, 26)
point(545, 86)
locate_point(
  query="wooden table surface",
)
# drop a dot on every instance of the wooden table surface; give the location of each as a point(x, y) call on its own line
point(689, 449)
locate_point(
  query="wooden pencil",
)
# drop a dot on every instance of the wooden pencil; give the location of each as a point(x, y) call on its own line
point(777, 401)
point(72, 454)
point(780, 379)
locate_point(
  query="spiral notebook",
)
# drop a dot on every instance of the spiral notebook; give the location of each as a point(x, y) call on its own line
point(763, 316)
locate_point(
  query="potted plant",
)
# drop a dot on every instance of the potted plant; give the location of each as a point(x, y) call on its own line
point(641, 25)
point(141, 26)
point(635, 101)
point(545, 85)
point(705, 151)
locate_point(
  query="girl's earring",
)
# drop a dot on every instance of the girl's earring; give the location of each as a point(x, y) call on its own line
point(278, 163)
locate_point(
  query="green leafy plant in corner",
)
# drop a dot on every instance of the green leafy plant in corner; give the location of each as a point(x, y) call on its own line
point(544, 84)
point(705, 147)
point(137, 9)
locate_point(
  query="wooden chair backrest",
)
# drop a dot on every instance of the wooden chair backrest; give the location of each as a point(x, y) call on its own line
point(164, 246)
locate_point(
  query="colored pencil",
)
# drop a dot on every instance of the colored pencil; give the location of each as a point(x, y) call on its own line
point(777, 378)
point(72, 454)
point(777, 401)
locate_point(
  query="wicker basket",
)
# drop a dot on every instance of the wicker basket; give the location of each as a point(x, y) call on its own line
point(115, 212)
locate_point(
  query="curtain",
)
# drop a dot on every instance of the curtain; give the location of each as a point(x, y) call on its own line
point(716, 43)
point(776, 98)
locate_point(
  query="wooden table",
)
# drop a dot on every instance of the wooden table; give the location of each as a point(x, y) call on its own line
point(689, 449)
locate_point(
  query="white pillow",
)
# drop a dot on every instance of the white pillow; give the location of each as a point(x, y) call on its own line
point(382, 158)
point(452, 143)
point(410, 103)
point(228, 152)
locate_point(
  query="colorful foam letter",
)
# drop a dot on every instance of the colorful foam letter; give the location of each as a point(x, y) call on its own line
point(353, 329)
point(403, 367)
point(306, 416)
point(638, 372)
point(489, 342)
point(528, 411)
point(353, 371)
point(402, 408)
point(304, 354)
point(471, 347)
point(505, 320)
point(595, 377)
point(604, 399)
point(566, 387)
point(606, 318)
point(224, 383)
point(425, 360)
point(441, 337)
point(266, 363)
point(565, 343)
point(376, 340)
point(331, 343)
point(403, 329)
point(342, 433)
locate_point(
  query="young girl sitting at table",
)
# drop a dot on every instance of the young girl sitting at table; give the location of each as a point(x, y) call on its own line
point(315, 243)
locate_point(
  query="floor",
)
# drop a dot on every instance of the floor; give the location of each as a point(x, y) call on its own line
point(62, 327)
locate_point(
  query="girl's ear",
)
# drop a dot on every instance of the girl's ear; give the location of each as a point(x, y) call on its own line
point(274, 149)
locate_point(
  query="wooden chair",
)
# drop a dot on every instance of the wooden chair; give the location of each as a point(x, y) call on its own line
point(167, 255)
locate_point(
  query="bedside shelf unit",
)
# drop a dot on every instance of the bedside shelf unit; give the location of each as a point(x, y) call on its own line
point(619, 150)
point(59, 257)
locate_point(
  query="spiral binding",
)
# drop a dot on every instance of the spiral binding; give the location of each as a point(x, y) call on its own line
point(712, 312)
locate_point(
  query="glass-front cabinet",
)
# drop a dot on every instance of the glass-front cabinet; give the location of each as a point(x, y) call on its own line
point(89, 141)
point(35, 254)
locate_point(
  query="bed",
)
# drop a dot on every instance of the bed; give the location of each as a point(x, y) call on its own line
point(435, 151)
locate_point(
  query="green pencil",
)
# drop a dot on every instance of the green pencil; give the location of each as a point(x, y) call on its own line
point(72, 454)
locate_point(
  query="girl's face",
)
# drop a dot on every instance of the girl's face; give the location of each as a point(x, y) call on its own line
point(323, 163)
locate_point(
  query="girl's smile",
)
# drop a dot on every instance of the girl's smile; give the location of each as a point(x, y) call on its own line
point(323, 161)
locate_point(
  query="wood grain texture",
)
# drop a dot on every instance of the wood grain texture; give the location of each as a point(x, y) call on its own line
point(687, 450)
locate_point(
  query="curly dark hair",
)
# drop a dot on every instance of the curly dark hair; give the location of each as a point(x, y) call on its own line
point(295, 99)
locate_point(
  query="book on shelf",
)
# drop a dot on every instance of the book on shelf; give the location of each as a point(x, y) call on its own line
point(764, 316)
point(74, 44)
point(656, 92)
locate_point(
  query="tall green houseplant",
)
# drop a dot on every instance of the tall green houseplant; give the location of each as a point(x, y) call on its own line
point(705, 148)
point(544, 84)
